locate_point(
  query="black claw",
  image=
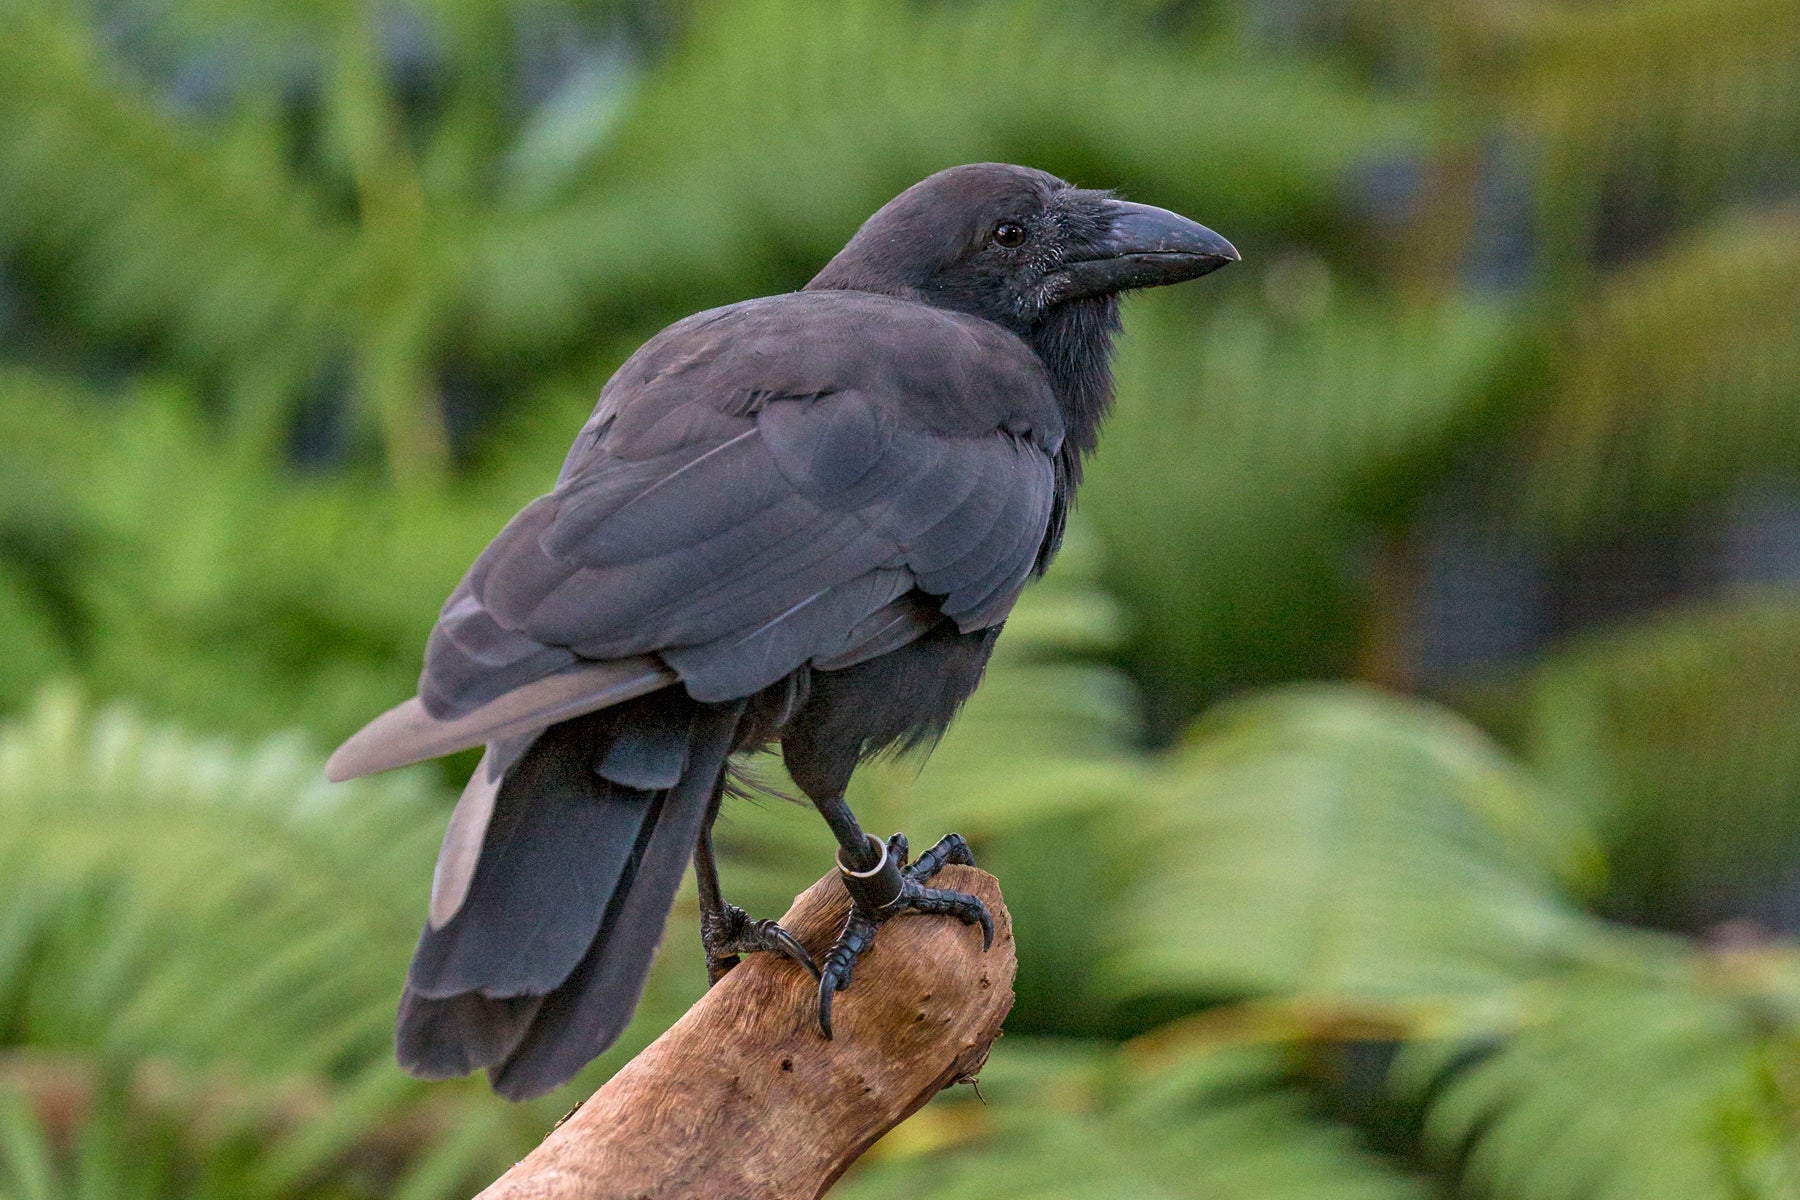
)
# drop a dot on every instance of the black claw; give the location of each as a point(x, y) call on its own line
point(966, 908)
point(840, 963)
point(783, 942)
point(731, 933)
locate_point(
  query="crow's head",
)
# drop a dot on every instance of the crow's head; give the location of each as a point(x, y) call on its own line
point(1013, 245)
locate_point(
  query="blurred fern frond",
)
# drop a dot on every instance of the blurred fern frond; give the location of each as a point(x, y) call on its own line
point(1698, 100)
point(225, 930)
point(1678, 381)
point(1681, 735)
point(1676, 1084)
point(166, 842)
point(708, 178)
point(1273, 441)
point(1629, 121)
point(315, 233)
point(1335, 847)
point(1084, 1125)
point(186, 574)
point(152, 224)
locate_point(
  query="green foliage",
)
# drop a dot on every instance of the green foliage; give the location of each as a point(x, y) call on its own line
point(1683, 738)
point(1620, 1086)
point(1679, 381)
point(166, 556)
point(1283, 807)
point(491, 244)
point(1267, 432)
point(1072, 1126)
point(259, 984)
point(208, 940)
point(108, 820)
point(300, 302)
point(1693, 99)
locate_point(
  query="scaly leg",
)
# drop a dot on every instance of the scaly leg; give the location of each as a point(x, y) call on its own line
point(727, 930)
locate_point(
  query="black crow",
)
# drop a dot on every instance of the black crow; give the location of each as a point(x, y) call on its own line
point(796, 521)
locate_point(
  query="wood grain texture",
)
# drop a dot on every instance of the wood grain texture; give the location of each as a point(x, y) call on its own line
point(744, 1099)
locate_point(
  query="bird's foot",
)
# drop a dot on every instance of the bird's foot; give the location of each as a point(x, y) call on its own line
point(730, 931)
point(887, 889)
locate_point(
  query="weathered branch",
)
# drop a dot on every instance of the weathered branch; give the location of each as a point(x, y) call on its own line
point(744, 1099)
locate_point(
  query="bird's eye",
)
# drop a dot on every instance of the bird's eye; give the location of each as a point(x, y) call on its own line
point(1009, 234)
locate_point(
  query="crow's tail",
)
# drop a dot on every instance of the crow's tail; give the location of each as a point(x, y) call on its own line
point(533, 964)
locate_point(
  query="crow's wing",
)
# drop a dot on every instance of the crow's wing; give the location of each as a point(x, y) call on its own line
point(407, 733)
point(760, 487)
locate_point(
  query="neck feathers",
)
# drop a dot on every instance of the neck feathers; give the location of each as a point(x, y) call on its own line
point(1075, 342)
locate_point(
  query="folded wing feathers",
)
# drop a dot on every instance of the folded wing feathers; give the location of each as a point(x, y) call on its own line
point(407, 733)
point(735, 561)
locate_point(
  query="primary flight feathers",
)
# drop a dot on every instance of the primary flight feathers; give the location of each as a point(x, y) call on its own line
point(407, 734)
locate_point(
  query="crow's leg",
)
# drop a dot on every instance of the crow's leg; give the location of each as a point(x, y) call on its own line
point(882, 885)
point(727, 930)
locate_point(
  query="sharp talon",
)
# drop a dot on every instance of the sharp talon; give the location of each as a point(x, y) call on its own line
point(787, 944)
point(826, 992)
point(730, 933)
point(987, 930)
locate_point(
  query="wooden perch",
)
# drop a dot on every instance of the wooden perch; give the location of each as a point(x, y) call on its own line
point(744, 1099)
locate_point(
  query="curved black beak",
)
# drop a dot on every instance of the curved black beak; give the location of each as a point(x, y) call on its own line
point(1145, 247)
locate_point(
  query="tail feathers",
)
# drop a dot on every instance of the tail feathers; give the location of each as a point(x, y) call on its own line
point(461, 852)
point(557, 845)
point(589, 1012)
point(467, 831)
point(651, 760)
point(444, 1039)
point(539, 970)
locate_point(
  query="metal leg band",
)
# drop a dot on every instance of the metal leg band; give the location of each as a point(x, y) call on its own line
point(878, 888)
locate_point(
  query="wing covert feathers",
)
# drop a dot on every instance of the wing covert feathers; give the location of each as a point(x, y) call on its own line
point(754, 482)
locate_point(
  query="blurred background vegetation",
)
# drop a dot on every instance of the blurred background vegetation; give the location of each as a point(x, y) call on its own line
point(1396, 785)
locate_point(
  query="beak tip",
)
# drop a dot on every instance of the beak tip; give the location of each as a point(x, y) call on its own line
point(1216, 247)
point(1141, 229)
